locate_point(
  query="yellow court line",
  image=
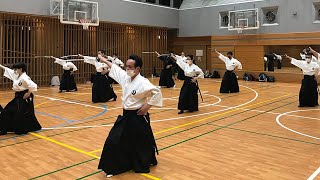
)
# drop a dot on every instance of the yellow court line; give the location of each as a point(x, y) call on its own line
point(220, 114)
point(95, 151)
point(149, 176)
point(40, 104)
point(65, 145)
point(146, 175)
point(82, 151)
point(216, 115)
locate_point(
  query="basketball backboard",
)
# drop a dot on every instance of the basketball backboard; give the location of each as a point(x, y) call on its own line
point(79, 12)
point(243, 20)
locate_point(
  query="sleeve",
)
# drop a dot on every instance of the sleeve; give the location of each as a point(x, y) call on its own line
point(314, 59)
point(120, 63)
point(90, 60)
point(31, 86)
point(201, 75)
point(302, 56)
point(74, 67)
point(238, 64)
point(316, 66)
point(181, 63)
point(278, 57)
point(59, 61)
point(154, 93)
point(118, 74)
point(110, 58)
point(223, 58)
point(164, 57)
point(9, 73)
point(297, 63)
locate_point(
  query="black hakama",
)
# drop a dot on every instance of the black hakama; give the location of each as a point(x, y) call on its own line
point(130, 145)
point(67, 81)
point(166, 73)
point(271, 59)
point(279, 65)
point(102, 90)
point(18, 116)
point(229, 83)
point(166, 76)
point(181, 75)
point(188, 99)
point(308, 95)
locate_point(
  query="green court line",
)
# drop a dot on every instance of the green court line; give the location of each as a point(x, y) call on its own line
point(62, 169)
point(244, 111)
point(222, 127)
point(263, 88)
point(89, 175)
point(74, 125)
point(204, 134)
point(264, 134)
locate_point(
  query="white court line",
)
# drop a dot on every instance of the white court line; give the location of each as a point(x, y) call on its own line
point(275, 113)
point(70, 102)
point(206, 104)
point(234, 107)
point(169, 119)
point(278, 121)
point(315, 174)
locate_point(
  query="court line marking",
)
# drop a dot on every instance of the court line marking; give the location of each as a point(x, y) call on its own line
point(297, 132)
point(219, 100)
point(216, 115)
point(176, 118)
point(315, 174)
point(41, 104)
point(203, 119)
point(275, 113)
point(222, 127)
point(81, 151)
point(71, 102)
point(64, 145)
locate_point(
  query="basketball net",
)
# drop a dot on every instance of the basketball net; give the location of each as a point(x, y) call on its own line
point(85, 23)
point(240, 29)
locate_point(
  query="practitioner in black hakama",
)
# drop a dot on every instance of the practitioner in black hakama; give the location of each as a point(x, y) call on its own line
point(67, 80)
point(166, 76)
point(130, 144)
point(229, 82)
point(181, 75)
point(308, 95)
point(18, 115)
point(188, 99)
point(102, 90)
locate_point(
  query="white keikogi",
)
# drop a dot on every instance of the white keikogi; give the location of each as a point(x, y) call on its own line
point(93, 60)
point(136, 92)
point(66, 65)
point(21, 83)
point(308, 68)
point(231, 64)
point(189, 71)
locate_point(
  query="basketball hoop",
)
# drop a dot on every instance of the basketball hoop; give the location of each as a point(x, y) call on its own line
point(85, 23)
point(240, 29)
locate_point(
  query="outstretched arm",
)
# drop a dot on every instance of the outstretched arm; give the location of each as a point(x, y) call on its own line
point(105, 60)
point(315, 53)
point(2, 67)
point(157, 54)
point(221, 56)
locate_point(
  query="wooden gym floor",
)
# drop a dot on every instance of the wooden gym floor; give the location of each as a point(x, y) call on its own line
point(233, 136)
